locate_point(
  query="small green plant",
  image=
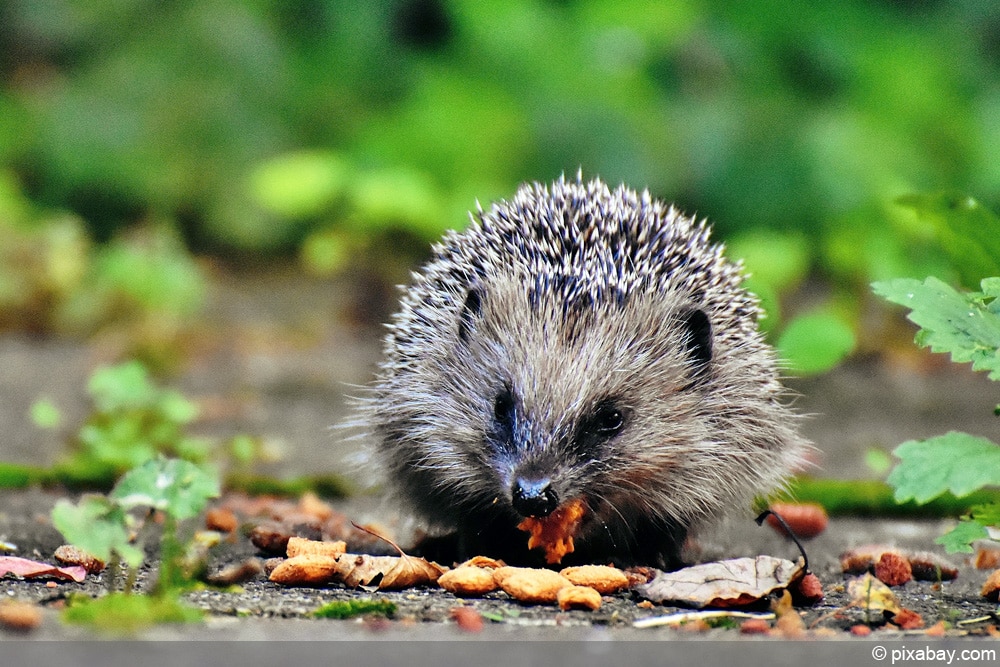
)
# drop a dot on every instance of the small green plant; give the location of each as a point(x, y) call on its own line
point(104, 526)
point(134, 420)
point(966, 325)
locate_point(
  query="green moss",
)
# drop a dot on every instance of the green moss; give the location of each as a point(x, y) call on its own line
point(352, 608)
point(125, 614)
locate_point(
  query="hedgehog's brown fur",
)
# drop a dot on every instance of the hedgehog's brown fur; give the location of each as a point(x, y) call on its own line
point(578, 342)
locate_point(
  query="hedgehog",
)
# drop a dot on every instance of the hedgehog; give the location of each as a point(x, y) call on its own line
point(578, 344)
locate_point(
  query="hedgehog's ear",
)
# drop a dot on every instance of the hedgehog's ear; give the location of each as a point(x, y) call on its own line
point(472, 309)
point(698, 339)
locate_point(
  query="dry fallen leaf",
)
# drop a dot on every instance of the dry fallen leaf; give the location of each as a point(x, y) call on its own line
point(388, 572)
point(555, 532)
point(30, 569)
point(729, 583)
point(870, 594)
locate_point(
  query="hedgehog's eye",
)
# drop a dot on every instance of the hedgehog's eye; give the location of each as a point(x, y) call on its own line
point(607, 421)
point(503, 407)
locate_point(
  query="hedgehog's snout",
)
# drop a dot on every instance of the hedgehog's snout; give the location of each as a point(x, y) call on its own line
point(534, 497)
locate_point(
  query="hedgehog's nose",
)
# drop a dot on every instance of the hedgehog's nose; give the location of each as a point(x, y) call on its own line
point(534, 497)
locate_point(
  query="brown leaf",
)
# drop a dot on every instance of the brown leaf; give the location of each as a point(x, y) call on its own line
point(729, 583)
point(30, 569)
point(392, 572)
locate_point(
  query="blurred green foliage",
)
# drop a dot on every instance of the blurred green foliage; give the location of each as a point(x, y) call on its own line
point(339, 130)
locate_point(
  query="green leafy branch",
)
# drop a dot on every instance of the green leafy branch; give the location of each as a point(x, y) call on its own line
point(966, 325)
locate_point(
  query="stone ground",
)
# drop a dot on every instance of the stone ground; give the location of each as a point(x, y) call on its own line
point(272, 361)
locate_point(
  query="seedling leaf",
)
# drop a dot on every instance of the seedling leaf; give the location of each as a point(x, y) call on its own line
point(955, 462)
point(967, 325)
point(179, 488)
point(960, 538)
point(96, 526)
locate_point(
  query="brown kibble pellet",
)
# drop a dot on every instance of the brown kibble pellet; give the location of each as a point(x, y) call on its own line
point(755, 626)
point(20, 616)
point(806, 520)
point(305, 570)
point(534, 586)
point(468, 619)
point(808, 590)
point(483, 562)
point(893, 569)
point(501, 573)
point(68, 554)
point(987, 559)
point(221, 519)
point(860, 630)
point(578, 597)
point(991, 589)
point(468, 581)
point(298, 546)
point(603, 578)
point(907, 619)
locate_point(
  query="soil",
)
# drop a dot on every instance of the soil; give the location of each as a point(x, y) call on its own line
point(274, 358)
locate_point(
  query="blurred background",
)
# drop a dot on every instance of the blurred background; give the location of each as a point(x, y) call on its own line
point(164, 163)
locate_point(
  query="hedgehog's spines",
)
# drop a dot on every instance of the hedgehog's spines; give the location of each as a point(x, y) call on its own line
point(569, 295)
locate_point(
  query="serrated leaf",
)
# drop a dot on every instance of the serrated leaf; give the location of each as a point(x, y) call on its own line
point(966, 230)
point(960, 538)
point(97, 526)
point(177, 487)
point(962, 324)
point(955, 462)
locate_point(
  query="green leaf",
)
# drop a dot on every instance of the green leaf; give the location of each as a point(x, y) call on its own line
point(178, 487)
point(960, 538)
point(966, 230)
point(97, 526)
point(967, 325)
point(814, 343)
point(955, 462)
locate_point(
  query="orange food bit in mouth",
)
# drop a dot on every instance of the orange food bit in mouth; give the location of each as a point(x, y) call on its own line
point(555, 532)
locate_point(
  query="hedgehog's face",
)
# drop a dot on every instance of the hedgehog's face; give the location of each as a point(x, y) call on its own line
point(604, 402)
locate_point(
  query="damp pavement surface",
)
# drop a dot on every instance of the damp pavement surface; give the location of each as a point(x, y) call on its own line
point(275, 360)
